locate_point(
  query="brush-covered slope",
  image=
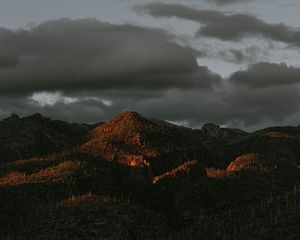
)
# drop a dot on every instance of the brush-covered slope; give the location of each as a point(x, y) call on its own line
point(72, 196)
point(133, 178)
point(36, 135)
point(282, 148)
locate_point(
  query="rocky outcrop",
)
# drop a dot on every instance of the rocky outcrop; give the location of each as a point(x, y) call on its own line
point(269, 163)
point(189, 169)
point(214, 130)
point(250, 162)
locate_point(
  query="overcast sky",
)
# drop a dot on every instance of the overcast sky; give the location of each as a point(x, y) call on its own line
point(232, 62)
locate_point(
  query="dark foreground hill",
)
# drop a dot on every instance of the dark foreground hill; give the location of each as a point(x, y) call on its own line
point(135, 178)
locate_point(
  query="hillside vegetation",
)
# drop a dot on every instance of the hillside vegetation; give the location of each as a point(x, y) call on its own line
point(134, 178)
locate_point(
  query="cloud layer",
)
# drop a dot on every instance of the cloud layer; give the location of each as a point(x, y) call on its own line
point(225, 2)
point(88, 54)
point(224, 26)
point(264, 74)
point(88, 71)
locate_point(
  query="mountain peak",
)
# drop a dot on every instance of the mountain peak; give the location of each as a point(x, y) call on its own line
point(133, 140)
point(128, 116)
point(212, 129)
point(37, 116)
point(124, 124)
point(14, 116)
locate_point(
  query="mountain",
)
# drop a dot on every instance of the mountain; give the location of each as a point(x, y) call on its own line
point(133, 140)
point(138, 178)
point(281, 148)
point(36, 135)
point(216, 131)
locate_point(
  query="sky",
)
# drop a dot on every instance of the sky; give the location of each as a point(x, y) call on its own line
point(231, 62)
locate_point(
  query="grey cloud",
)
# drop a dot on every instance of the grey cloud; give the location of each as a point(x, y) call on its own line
point(237, 55)
point(85, 110)
point(137, 69)
point(9, 57)
point(225, 2)
point(264, 74)
point(248, 55)
point(234, 106)
point(269, 106)
point(224, 26)
point(88, 54)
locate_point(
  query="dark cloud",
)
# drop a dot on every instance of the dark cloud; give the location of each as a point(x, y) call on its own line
point(226, 2)
point(9, 57)
point(264, 106)
point(89, 54)
point(233, 105)
point(224, 26)
point(264, 74)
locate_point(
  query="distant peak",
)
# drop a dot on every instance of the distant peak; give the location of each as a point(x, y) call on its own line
point(14, 116)
point(38, 117)
point(210, 126)
point(212, 130)
point(123, 124)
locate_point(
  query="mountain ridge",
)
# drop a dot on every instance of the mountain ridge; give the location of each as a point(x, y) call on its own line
point(136, 178)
